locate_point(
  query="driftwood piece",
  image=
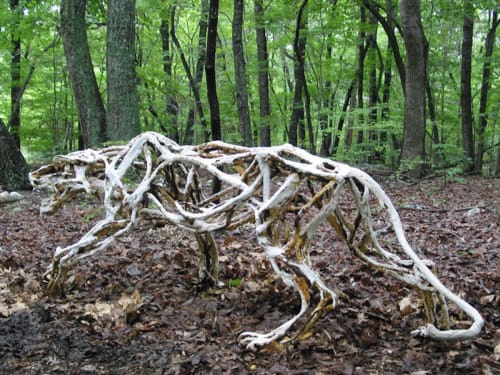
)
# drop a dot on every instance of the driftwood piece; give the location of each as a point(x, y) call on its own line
point(288, 195)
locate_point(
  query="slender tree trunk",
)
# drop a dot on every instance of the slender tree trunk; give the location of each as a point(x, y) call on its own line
point(13, 168)
point(497, 163)
point(413, 148)
point(324, 123)
point(350, 121)
point(240, 74)
point(373, 87)
point(171, 106)
point(485, 86)
point(386, 91)
point(123, 101)
point(388, 26)
point(91, 112)
point(348, 99)
point(362, 51)
point(194, 81)
point(210, 75)
point(297, 128)
point(263, 64)
point(15, 75)
point(465, 89)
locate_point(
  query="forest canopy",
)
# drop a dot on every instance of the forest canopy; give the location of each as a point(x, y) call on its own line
point(338, 78)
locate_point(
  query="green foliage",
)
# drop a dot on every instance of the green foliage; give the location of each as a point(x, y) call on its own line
point(50, 121)
point(234, 283)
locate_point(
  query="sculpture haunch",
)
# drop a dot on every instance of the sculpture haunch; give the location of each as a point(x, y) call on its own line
point(288, 194)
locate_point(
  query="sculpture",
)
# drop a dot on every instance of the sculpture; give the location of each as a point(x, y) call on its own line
point(285, 192)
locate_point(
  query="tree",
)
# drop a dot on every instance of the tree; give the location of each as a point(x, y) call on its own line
point(194, 81)
point(13, 168)
point(297, 127)
point(485, 86)
point(413, 147)
point(362, 51)
point(91, 112)
point(171, 105)
point(465, 88)
point(330, 91)
point(122, 115)
point(15, 74)
point(240, 74)
point(263, 68)
point(388, 25)
point(210, 75)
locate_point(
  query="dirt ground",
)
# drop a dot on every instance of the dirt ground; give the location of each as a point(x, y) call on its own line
point(136, 309)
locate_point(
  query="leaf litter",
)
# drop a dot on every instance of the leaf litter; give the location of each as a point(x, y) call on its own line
point(136, 309)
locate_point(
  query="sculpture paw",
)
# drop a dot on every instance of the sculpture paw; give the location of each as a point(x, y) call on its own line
point(253, 340)
point(421, 332)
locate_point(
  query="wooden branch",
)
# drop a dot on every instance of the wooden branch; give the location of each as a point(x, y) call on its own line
point(284, 191)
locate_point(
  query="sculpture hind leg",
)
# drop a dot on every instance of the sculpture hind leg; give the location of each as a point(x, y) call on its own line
point(208, 264)
point(99, 237)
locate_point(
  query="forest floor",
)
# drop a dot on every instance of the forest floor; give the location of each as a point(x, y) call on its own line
point(135, 308)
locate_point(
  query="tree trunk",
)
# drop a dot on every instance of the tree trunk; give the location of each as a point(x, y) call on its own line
point(13, 168)
point(388, 26)
point(497, 163)
point(465, 89)
point(362, 50)
point(413, 148)
point(485, 86)
point(171, 126)
point(210, 75)
point(15, 74)
point(386, 91)
point(240, 74)
point(297, 128)
point(348, 99)
point(123, 102)
point(324, 113)
point(194, 81)
point(91, 112)
point(350, 121)
point(263, 64)
point(373, 87)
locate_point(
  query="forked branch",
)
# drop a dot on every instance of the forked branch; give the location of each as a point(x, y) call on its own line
point(287, 193)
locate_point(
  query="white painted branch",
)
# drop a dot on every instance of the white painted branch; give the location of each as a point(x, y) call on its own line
point(271, 189)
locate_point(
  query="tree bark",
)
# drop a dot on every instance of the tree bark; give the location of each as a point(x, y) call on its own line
point(263, 64)
point(240, 74)
point(13, 168)
point(210, 75)
point(123, 102)
point(297, 127)
point(15, 75)
point(345, 106)
point(413, 147)
point(324, 116)
point(373, 87)
point(386, 91)
point(362, 51)
point(91, 112)
point(465, 89)
point(171, 126)
point(388, 26)
point(485, 86)
point(194, 81)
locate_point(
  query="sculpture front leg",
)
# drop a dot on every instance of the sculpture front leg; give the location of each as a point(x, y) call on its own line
point(253, 340)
